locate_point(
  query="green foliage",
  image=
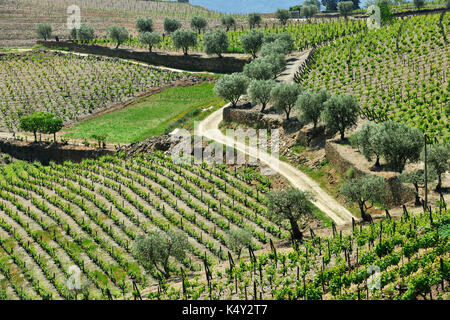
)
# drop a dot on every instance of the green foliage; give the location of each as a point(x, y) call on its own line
point(144, 25)
point(286, 37)
point(364, 141)
point(155, 248)
point(340, 113)
point(345, 7)
point(52, 125)
point(228, 22)
point(438, 158)
point(183, 39)
point(171, 25)
point(397, 143)
point(118, 33)
point(85, 33)
point(419, 4)
point(239, 238)
point(284, 97)
point(44, 30)
point(365, 189)
point(310, 106)
point(259, 69)
point(252, 41)
point(259, 92)
point(199, 24)
point(150, 39)
point(231, 87)
point(283, 15)
point(308, 11)
point(215, 42)
point(293, 205)
point(254, 19)
point(41, 122)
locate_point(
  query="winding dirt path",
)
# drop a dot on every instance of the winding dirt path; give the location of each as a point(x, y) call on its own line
point(209, 128)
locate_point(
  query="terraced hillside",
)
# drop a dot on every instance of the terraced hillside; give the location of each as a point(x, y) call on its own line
point(72, 86)
point(87, 215)
point(18, 18)
point(399, 72)
point(393, 259)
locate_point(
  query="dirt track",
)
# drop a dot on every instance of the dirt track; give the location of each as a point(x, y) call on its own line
point(327, 204)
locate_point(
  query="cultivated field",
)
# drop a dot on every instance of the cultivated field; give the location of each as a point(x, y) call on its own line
point(72, 86)
point(399, 73)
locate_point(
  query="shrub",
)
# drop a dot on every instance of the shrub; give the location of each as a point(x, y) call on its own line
point(144, 25)
point(44, 30)
point(259, 69)
point(308, 11)
point(231, 87)
point(278, 46)
point(310, 106)
point(85, 33)
point(216, 42)
point(183, 39)
point(118, 34)
point(277, 61)
point(150, 39)
point(171, 25)
point(438, 157)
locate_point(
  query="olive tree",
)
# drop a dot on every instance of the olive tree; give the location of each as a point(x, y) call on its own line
point(199, 24)
point(365, 189)
point(252, 42)
point(228, 22)
point(438, 158)
point(417, 179)
point(284, 96)
point(308, 11)
point(33, 123)
point(419, 4)
point(277, 61)
point(183, 39)
point(282, 36)
point(340, 113)
point(398, 143)
point(239, 238)
point(150, 39)
point(254, 19)
point(310, 106)
point(364, 141)
point(85, 33)
point(283, 16)
point(278, 46)
point(259, 69)
point(231, 87)
point(293, 205)
point(171, 25)
point(216, 42)
point(259, 92)
point(44, 30)
point(144, 25)
point(52, 125)
point(345, 7)
point(155, 248)
point(118, 34)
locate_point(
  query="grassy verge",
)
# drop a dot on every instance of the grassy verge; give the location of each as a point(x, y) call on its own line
point(152, 116)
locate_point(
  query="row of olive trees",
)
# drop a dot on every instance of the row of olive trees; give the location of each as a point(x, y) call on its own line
point(41, 122)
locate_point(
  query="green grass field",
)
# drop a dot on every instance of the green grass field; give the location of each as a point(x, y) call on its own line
point(152, 116)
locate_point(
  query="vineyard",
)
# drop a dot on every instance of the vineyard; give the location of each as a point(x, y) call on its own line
point(71, 86)
point(409, 257)
point(399, 72)
point(88, 214)
point(98, 13)
point(304, 34)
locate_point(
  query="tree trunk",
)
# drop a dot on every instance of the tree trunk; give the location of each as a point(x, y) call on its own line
point(35, 136)
point(296, 233)
point(343, 135)
point(364, 215)
point(118, 44)
point(263, 108)
point(54, 136)
point(439, 185)
point(416, 195)
point(377, 163)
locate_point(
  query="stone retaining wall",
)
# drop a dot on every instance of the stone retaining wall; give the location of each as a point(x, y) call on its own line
point(189, 63)
point(46, 152)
